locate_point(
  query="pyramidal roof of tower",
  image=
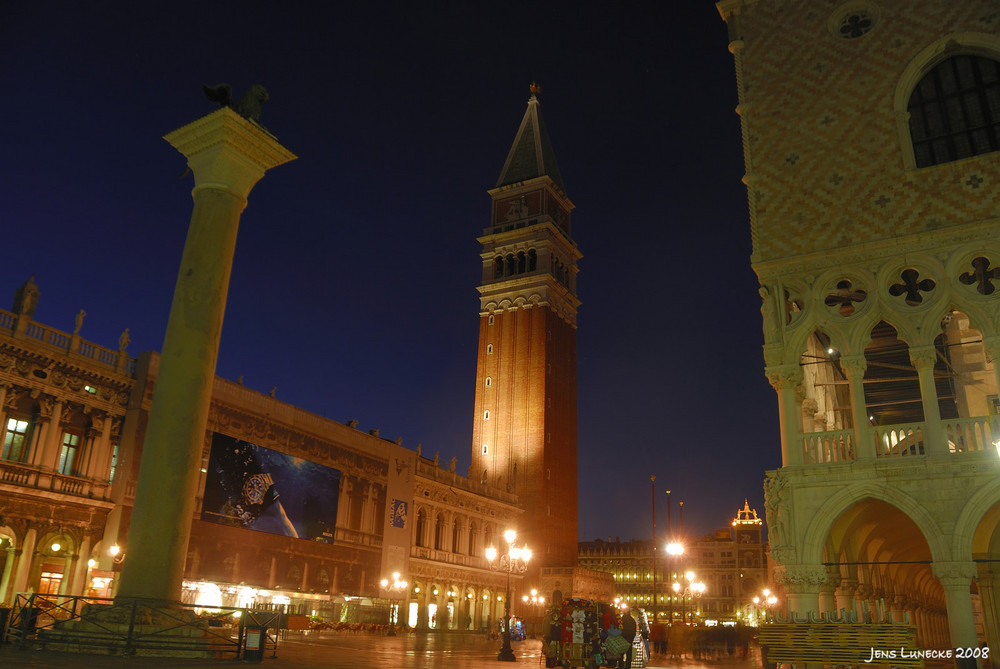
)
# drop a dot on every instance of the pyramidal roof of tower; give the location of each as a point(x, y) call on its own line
point(531, 155)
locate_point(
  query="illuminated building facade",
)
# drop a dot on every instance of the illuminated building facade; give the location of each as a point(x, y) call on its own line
point(731, 563)
point(871, 135)
point(74, 415)
point(525, 425)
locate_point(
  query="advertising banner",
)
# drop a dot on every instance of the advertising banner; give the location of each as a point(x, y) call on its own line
point(260, 489)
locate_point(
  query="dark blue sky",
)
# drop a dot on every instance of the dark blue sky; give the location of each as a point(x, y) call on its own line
point(354, 285)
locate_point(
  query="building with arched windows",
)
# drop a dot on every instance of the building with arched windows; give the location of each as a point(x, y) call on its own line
point(871, 135)
point(301, 511)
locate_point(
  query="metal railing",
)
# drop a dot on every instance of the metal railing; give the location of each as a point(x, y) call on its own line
point(133, 627)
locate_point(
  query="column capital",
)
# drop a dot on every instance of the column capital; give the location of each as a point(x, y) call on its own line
point(807, 576)
point(954, 574)
point(923, 357)
point(854, 365)
point(783, 376)
point(226, 151)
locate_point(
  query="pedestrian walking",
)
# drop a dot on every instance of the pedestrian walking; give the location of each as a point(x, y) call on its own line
point(628, 633)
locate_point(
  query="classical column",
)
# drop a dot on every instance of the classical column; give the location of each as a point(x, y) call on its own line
point(897, 606)
point(845, 597)
point(854, 367)
point(26, 557)
point(801, 584)
point(49, 434)
point(227, 154)
point(8, 570)
point(923, 359)
point(828, 592)
point(785, 379)
point(989, 588)
point(100, 463)
point(956, 579)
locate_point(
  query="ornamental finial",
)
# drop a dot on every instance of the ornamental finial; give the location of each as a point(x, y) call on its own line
point(535, 88)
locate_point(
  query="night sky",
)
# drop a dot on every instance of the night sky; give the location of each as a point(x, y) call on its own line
point(354, 284)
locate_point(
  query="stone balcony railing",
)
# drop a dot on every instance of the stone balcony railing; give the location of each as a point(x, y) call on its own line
point(69, 344)
point(964, 435)
point(37, 478)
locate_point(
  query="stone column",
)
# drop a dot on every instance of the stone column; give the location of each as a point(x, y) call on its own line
point(49, 434)
point(989, 588)
point(935, 440)
point(801, 584)
point(828, 591)
point(26, 557)
point(785, 379)
point(897, 606)
point(8, 570)
point(956, 579)
point(845, 598)
point(227, 154)
point(100, 464)
point(854, 367)
point(77, 568)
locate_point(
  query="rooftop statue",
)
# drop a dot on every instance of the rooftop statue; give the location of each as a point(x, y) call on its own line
point(248, 106)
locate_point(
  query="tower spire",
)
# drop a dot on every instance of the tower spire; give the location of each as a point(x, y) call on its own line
point(531, 154)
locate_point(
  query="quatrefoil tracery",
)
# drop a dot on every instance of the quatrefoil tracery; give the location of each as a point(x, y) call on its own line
point(912, 287)
point(982, 275)
point(844, 297)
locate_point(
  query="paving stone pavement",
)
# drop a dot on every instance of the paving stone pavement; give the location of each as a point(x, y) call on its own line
point(343, 651)
point(347, 651)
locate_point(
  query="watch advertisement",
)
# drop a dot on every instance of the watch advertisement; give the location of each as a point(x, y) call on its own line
point(260, 489)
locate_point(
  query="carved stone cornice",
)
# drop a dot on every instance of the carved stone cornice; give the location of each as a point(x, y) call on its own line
point(800, 574)
point(272, 435)
point(540, 290)
point(944, 241)
point(62, 377)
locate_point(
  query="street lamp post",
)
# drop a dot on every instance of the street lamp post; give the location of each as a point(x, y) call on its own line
point(393, 588)
point(535, 600)
point(514, 561)
point(689, 591)
point(674, 548)
point(652, 489)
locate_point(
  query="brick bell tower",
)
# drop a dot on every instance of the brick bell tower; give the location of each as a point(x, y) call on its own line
point(524, 434)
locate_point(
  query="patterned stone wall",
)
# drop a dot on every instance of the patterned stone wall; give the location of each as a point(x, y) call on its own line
point(829, 162)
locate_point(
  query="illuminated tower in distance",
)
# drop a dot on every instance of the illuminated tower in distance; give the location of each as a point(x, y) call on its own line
point(524, 434)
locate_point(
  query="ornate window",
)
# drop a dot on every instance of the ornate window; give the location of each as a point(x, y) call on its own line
point(15, 439)
point(955, 110)
point(68, 452)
